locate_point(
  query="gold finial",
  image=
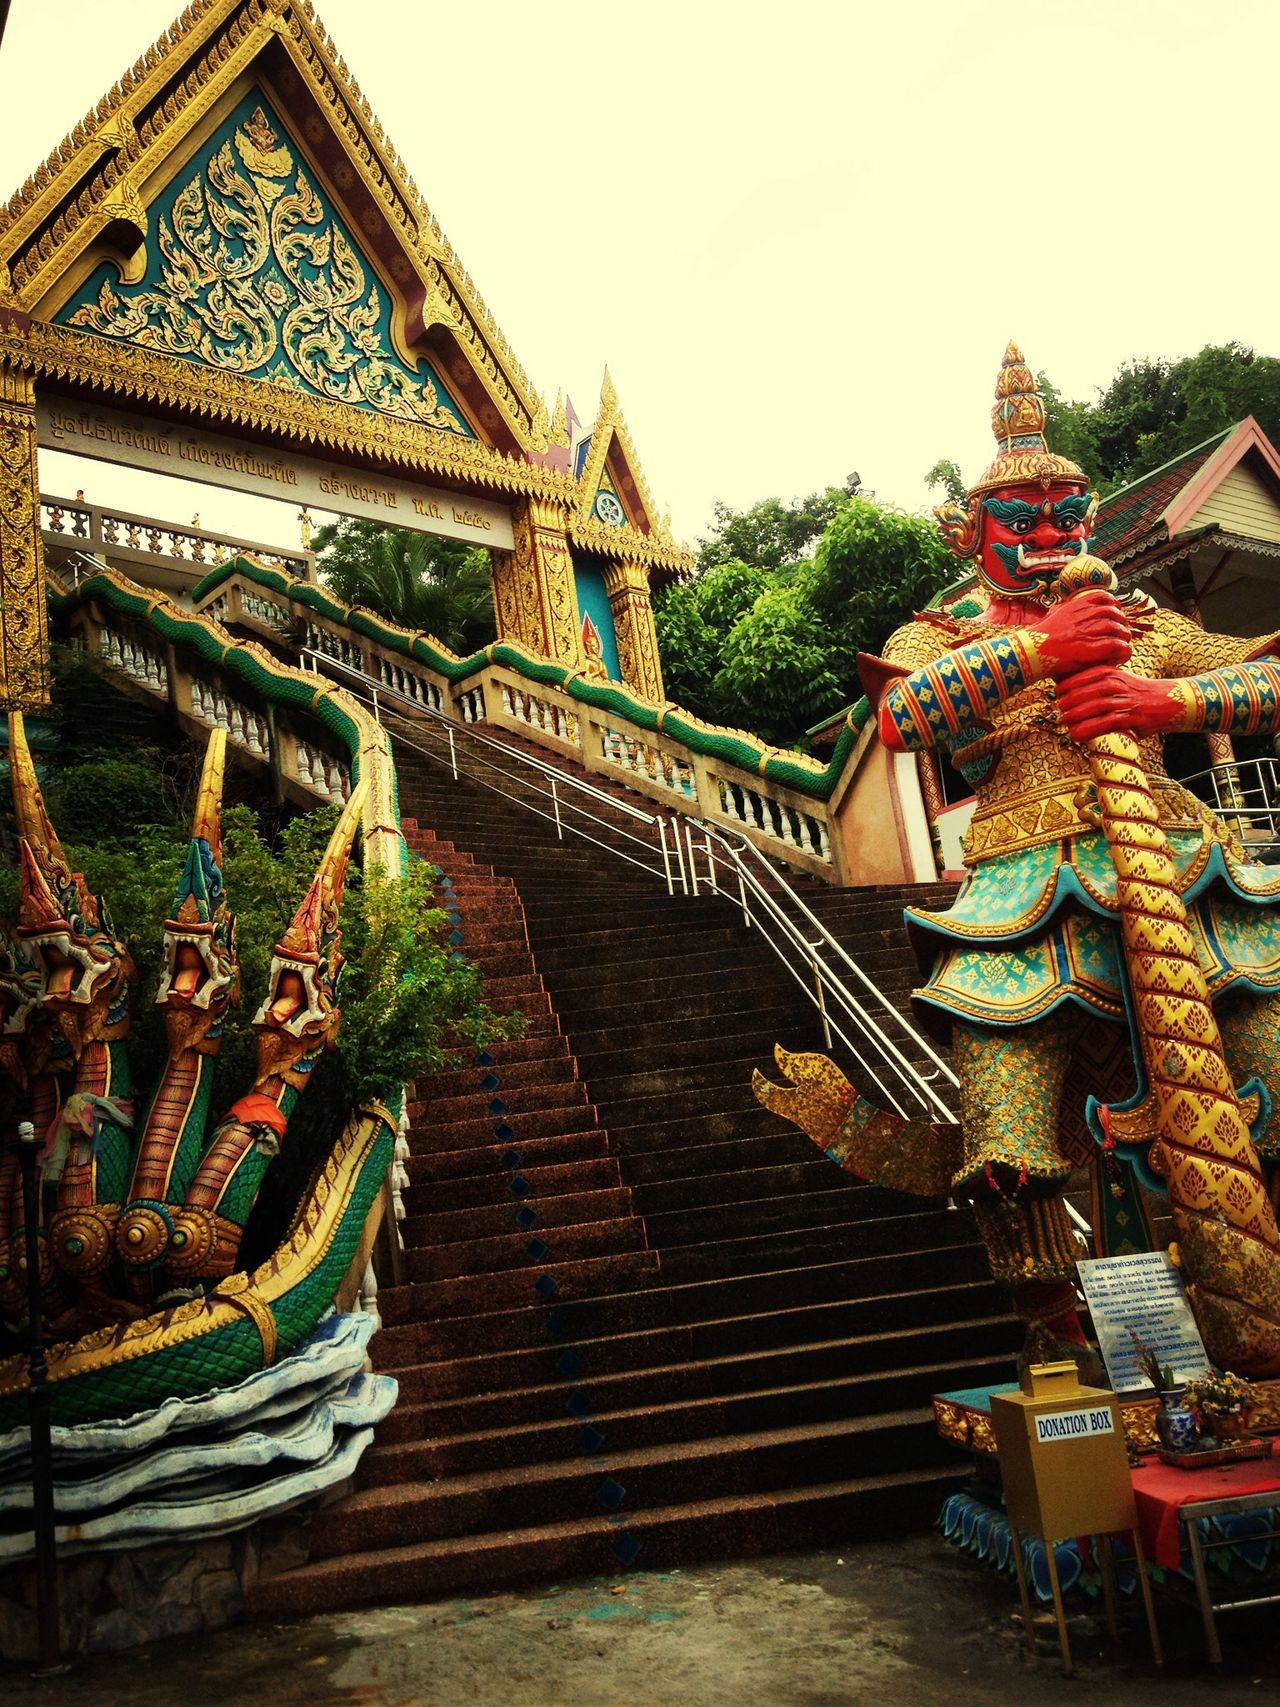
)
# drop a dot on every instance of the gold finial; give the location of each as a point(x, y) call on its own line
point(1018, 421)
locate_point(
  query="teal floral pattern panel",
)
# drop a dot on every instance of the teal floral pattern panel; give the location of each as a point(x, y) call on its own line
point(251, 271)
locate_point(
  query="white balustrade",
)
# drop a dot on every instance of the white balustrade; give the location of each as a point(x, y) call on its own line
point(472, 703)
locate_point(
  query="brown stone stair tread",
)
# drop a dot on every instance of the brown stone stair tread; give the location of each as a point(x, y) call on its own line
point(618, 1348)
point(715, 1371)
point(577, 1544)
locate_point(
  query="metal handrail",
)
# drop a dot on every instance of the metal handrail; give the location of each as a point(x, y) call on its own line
point(814, 973)
point(668, 841)
point(1243, 789)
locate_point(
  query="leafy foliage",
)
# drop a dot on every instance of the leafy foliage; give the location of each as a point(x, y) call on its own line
point(436, 585)
point(773, 650)
point(946, 474)
point(1152, 411)
point(771, 534)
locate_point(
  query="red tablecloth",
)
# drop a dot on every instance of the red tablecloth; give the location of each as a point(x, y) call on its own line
point(1160, 1489)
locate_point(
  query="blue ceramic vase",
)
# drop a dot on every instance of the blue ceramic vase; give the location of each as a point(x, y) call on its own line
point(1176, 1422)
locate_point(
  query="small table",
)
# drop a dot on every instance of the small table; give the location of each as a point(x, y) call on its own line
point(1168, 1497)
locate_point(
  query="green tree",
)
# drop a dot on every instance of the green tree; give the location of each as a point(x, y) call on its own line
point(437, 585)
point(772, 651)
point(946, 474)
point(781, 667)
point(771, 534)
point(1153, 410)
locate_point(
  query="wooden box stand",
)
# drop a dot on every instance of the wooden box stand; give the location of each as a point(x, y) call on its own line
point(1066, 1472)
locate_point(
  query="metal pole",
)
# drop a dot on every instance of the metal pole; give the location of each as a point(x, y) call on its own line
point(373, 694)
point(822, 998)
point(453, 754)
point(666, 854)
point(38, 1401)
point(677, 838)
point(555, 801)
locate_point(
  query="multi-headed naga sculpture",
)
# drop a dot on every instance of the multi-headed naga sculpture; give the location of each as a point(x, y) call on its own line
point(1107, 977)
point(144, 1202)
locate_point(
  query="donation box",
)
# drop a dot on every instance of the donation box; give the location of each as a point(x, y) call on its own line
point(1062, 1456)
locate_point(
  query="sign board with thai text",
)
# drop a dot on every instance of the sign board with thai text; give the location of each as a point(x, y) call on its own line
point(1141, 1296)
point(160, 447)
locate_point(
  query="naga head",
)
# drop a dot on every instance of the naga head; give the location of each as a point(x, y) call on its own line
point(1031, 512)
point(21, 987)
point(299, 1016)
point(201, 980)
point(83, 969)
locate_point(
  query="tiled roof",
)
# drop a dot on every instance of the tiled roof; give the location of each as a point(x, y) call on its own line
point(1130, 514)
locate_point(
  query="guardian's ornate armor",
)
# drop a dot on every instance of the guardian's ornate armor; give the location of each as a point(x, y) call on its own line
point(1063, 972)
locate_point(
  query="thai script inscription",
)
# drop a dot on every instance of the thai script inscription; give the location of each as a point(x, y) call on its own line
point(358, 491)
point(134, 437)
point(238, 461)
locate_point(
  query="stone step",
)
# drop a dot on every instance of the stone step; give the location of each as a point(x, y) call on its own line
point(647, 1476)
point(803, 1370)
point(734, 1525)
point(544, 1248)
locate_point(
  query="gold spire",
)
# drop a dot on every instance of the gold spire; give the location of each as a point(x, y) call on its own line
point(1017, 421)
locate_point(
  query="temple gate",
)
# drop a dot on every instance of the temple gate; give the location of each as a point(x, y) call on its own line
point(226, 272)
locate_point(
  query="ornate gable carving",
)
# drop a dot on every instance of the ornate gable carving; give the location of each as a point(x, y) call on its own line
point(250, 270)
point(87, 202)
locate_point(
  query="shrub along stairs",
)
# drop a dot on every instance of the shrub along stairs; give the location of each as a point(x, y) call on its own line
point(643, 1320)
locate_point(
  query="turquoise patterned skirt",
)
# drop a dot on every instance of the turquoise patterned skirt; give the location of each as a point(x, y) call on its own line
point(1034, 930)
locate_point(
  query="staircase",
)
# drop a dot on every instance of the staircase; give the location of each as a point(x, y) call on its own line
point(644, 1321)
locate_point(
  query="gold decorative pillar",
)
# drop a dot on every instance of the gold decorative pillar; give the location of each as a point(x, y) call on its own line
point(24, 629)
point(533, 592)
point(627, 585)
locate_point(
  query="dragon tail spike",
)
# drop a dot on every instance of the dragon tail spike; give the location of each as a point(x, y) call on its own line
point(206, 822)
point(34, 824)
point(337, 856)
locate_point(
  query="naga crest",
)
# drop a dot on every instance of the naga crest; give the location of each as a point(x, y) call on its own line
point(299, 1016)
point(146, 1210)
point(83, 971)
point(200, 980)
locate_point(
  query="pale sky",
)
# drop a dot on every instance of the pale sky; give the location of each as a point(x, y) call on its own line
point(799, 235)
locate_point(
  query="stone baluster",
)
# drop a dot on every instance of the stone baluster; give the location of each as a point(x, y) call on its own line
point(367, 1299)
